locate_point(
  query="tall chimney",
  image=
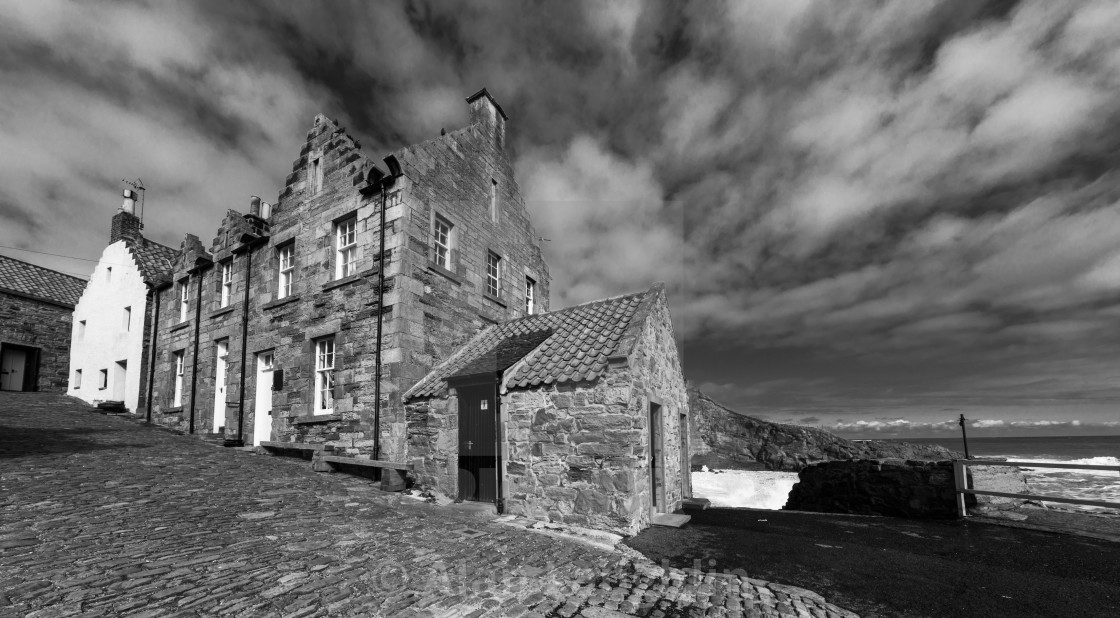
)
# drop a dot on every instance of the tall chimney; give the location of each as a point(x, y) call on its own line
point(489, 116)
point(125, 223)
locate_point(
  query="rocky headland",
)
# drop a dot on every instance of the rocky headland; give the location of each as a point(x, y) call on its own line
point(726, 439)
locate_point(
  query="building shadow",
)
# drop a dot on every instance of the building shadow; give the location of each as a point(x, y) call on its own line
point(30, 441)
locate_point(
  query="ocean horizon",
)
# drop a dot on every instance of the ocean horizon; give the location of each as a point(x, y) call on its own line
point(1082, 484)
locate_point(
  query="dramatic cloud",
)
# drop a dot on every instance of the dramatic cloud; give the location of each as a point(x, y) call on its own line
point(858, 206)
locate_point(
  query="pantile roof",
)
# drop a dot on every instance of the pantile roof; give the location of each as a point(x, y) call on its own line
point(154, 260)
point(567, 345)
point(38, 282)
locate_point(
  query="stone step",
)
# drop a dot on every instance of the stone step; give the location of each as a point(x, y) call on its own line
point(670, 520)
point(483, 510)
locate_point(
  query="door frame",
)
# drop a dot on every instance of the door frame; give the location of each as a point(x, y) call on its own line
point(31, 360)
point(655, 414)
point(473, 382)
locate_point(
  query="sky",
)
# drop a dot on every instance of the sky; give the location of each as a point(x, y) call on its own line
point(872, 216)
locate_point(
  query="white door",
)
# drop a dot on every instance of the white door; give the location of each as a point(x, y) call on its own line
point(11, 369)
point(262, 411)
point(220, 387)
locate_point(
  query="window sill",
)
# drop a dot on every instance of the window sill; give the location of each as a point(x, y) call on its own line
point(337, 283)
point(436, 268)
point(180, 326)
point(316, 418)
point(222, 311)
point(494, 299)
point(174, 410)
point(280, 302)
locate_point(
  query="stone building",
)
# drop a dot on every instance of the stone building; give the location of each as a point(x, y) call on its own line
point(311, 291)
point(109, 342)
point(36, 305)
point(579, 416)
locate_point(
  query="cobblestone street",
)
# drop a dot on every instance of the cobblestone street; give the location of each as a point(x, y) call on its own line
point(103, 516)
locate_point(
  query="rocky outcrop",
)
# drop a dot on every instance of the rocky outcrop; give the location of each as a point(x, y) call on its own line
point(892, 487)
point(724, 438)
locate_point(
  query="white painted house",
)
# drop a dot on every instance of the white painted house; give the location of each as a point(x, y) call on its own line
point(108, 345)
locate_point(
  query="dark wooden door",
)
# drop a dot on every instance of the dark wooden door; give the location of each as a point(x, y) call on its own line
point(478, 443)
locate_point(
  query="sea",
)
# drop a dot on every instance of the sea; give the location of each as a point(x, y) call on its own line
point(1083, 484)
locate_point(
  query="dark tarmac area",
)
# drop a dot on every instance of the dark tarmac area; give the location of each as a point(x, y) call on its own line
point(878, 566)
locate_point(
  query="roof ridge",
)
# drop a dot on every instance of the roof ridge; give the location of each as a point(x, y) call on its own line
point(44, 268)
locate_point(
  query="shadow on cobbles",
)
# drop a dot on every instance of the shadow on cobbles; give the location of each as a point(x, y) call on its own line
point(24, 441)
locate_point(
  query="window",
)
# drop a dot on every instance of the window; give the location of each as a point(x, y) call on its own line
point(227, 283)
point(184, 302)
point(493, 274)
point(178, 398)
point(530, 296)
point(324, 375)
point(287, 269)
point(441, 234)
point(126, 319)
point(103, 379)
point(108, 273)
point(493, 200)
point(82, 329)
point(316, 176)
point(346, 249)
point(77, 378)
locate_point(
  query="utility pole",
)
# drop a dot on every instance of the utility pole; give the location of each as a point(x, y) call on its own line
point(964, 436)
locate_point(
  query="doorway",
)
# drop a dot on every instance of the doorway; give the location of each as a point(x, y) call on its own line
point(120, 375)
point(220, 387)
point(478, 443)
point(19, 367)
point(262, 410)
point(656, 459)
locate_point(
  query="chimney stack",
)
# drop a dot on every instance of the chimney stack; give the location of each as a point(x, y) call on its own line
point(489, 116)
point(126, 225)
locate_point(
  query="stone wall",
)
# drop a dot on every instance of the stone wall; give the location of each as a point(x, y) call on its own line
point(893, 487)
point(43, 325)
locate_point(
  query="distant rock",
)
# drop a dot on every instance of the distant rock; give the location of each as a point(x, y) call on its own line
point(724, 438)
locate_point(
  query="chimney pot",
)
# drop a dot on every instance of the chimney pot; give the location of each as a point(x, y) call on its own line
point(129, 204)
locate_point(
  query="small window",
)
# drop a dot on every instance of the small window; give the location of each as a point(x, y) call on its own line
point(493, 200)
point(184, 301)
point(287, 270)
point(316, 176)
point(103, 379)
point(126, 319)
point(441, 234)
point(530, 296)
point(227, 283)
point(324, 375)
point(346, 249)
point(493, 274)
point(81, 329)
point(77, 378)
point(178, 397)
point(108, 273)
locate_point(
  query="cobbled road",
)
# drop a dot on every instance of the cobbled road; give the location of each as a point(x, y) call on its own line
point(105, 516)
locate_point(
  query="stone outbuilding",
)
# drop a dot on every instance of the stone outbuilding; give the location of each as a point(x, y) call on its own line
point(111, 334)
point(578, 416)
point(36, 305)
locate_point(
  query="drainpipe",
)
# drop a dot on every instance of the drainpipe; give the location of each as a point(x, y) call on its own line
point(152, 350)
point(386, 182)
point(239, 441)
point(194, 363)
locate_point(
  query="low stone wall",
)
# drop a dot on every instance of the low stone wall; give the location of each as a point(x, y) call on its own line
point(894, 487)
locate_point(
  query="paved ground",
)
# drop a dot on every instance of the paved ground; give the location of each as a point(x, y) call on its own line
point(882, 566)
point(104, 516)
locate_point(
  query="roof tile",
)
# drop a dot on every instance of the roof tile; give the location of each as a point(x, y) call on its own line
point(38, 282)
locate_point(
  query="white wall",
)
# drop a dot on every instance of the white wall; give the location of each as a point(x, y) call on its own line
point(106, 341)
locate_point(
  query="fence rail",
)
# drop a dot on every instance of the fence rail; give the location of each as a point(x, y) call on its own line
point(960, 478)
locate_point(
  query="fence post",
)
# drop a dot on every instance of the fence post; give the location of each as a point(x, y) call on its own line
point(960, 482)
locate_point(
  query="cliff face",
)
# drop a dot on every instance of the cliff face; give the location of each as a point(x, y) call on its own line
point(723, 438)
